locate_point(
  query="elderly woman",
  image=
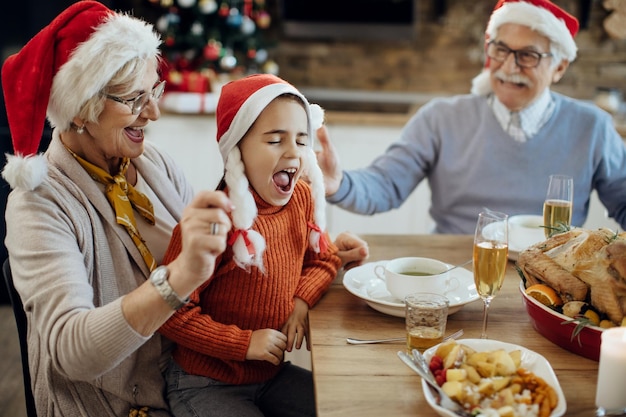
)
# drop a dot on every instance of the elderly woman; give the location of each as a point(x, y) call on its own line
point(89, 221)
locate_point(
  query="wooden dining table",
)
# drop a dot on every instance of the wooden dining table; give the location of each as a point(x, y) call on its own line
point(370, 380)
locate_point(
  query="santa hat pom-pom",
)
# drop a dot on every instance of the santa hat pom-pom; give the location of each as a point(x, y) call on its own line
point(317, 116)
point(25, 172)
point(248, 245)
point(238, 191)
point(248, 249)
point(318, 242)
point(317, 238)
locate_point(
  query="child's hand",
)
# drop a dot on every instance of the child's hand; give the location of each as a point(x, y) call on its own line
point(297, 326)
point(267, 345)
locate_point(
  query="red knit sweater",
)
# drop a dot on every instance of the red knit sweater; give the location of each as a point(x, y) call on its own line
point(213, 331)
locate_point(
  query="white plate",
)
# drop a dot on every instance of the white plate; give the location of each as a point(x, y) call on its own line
point(362, 282)
point(531, 361)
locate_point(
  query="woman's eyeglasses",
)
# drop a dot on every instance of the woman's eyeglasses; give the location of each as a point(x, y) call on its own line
point(138, 103)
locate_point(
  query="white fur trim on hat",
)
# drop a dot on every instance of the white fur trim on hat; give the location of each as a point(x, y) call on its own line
point(250, 111)
point(93, 63)
point(481, 84)
point(539, 20)
point(536, 18)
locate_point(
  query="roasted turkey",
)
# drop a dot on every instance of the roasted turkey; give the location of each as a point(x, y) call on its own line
point(581, 265)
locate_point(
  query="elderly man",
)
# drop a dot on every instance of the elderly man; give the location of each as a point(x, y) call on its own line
point(496, 147)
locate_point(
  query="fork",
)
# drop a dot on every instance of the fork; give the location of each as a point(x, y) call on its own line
point(353, 341)
point(427, 376)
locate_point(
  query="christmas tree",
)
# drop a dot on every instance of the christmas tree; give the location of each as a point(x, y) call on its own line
point(207, 40)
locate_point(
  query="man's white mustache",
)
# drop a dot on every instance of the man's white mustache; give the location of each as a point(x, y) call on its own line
point(513, 78)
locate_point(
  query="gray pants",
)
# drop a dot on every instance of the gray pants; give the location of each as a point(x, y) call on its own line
point(288, 394)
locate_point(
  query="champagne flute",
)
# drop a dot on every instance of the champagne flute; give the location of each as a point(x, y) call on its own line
point(557, 208)
point(490, 257)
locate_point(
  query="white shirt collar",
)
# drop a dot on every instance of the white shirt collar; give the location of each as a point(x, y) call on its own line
point(532, 118)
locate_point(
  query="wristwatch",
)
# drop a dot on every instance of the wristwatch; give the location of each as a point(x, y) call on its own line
point(158, 278)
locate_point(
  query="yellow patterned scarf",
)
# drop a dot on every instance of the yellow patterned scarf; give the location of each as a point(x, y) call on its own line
point(123, 198)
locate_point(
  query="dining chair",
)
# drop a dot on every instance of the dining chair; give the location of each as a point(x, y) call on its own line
point(22, 324)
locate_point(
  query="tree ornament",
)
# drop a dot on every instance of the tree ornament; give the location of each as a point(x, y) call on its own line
point(167, 3)
point(261, 56)
point(247, 26)
point(247, 8)
point(228, 61)
point(207, 6)
point(263, 19)
point(175, 77)
point(234, 18)
point(270, 67)
point(162, 24)
point(170, 40)
point(197, 28)
point(190, 54)
point(224, 10)
point(212, 50)
point(185, 4)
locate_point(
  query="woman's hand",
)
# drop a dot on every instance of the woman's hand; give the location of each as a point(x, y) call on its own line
point(204, 226)
point(328, 161)
point(353, 250)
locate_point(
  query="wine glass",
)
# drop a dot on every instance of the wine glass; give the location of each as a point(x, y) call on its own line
point(557, 208)
point(490, 257)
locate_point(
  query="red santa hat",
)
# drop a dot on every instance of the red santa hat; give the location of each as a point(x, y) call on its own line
point(240, 104)
point(58, 71)
point(543, 17)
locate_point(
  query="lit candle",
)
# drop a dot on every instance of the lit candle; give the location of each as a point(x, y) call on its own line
point(611, 392)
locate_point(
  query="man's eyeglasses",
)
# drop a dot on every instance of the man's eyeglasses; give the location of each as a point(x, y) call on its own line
point(523, 57)
point(138, 103)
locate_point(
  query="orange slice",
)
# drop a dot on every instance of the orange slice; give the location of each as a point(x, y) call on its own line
point(544, 294)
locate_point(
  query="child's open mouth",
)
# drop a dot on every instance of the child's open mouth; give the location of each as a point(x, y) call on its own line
point(284, 179)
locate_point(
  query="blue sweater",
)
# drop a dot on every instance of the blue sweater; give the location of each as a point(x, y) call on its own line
point(471, 163)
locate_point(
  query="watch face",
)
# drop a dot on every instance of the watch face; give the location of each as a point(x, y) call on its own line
point(159, 275)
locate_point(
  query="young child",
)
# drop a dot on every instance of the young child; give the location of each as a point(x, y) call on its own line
point(231, 337)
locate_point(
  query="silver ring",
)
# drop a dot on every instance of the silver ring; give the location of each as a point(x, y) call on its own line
point(215, 228)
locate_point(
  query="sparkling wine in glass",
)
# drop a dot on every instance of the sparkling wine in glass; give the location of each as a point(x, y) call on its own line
point(557, 208)
point(490, 258)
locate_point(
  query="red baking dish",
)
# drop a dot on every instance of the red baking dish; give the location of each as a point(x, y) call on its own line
point(552, 325)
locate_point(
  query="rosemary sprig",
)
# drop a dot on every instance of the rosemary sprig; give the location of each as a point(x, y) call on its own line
point(560, 227)
point(581, 322)
point(610, 239)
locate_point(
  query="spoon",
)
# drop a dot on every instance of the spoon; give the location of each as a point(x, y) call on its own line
point(353, 341)
point(459, 265)
point(427, 376)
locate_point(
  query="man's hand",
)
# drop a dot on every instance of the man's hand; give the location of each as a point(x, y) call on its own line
point(328, 161)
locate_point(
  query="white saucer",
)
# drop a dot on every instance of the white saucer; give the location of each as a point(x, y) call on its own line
point(515, 248)
point(362, 282)
point(514, 251)
point(524, 230)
